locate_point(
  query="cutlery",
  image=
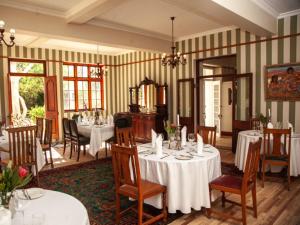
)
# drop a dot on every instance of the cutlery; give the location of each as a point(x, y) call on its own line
point(27, 194)
point(165, 156)
point(143, 151)
point(196, 155)
point(207, 151)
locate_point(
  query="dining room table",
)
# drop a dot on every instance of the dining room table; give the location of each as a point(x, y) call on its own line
point(185, 173)
point(97, 134)
point(247, 136)
point(53, 208)
point(4, 151)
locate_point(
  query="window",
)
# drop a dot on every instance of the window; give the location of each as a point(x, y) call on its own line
point(82, 90)
point(27, 67)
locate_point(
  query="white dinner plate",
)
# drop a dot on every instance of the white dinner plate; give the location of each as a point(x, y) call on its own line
point(31, 193)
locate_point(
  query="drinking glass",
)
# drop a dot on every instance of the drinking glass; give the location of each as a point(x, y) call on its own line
point(38, 219)
point(18, 209)
point(191, 137)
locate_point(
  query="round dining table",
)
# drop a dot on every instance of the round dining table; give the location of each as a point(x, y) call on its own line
point(247, 136)
point(58, 209)
point(185, 174)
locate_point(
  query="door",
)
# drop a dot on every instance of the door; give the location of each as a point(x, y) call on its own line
point(226, 108)
point(185, 103)
point(51, 111)
point(242, 105)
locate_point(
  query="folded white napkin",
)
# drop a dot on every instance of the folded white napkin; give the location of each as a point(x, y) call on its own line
point(290, 126)
point(270, 125)
point(199, 145)
point(158, 146)
point(183, 136)
point(153, 136)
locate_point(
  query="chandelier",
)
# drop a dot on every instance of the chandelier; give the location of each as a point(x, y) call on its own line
point(174, 58)
point(12, 35)
point(100, 69)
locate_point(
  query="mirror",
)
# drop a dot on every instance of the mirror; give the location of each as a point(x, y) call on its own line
point(147, 97)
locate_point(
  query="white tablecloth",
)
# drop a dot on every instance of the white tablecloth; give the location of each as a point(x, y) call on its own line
point(58, 208)
point(98, 134)
point(4, 152)
point(245, 137)
point(186, 180)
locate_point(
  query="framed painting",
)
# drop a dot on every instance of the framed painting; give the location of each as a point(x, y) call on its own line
point(282, 82)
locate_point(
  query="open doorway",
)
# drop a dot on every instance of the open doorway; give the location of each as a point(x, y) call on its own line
point(214, 96)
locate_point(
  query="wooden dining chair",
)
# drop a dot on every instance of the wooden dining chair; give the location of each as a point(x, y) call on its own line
point(255, 123)
point(40, 127)
point(276, 150)
point(239, 185)
point(125, 136)
point(131, 185)
point(77, 140)
point(23, 148)
point(66, 133)
point(46, 142)
point(208, 134)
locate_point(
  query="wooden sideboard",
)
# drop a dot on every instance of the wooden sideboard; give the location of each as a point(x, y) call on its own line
point(143, 123)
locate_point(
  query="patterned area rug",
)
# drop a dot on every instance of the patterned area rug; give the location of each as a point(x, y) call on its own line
point(93, 184)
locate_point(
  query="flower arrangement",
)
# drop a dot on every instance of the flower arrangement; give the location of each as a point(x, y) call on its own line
point(11, 179)
point(263, 119)
point(169, 128)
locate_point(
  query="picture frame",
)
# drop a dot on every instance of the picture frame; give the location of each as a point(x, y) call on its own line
point(282, 82)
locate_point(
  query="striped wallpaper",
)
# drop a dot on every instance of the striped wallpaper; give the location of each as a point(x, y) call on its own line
point(127, 70)
point(252, 52)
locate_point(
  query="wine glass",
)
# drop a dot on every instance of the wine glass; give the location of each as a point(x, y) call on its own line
point(191, 137)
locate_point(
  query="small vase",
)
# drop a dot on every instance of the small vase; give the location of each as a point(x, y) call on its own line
point(5, 199)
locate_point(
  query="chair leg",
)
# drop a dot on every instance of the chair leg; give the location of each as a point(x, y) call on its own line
point(263, 174)
point(140, 212)
point(84, 150)
point(78, 149)
point(164, 203)
point(51, 159)
point(223, 199)
point(208, 210)
point(117, 208)
point(46, 158)
point(243, 204)
point(289, 176)
point(71, 149)
point(65, 145)
point(254, 200)
point(37, 175)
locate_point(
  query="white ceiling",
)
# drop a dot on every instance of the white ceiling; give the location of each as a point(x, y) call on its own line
point(150, 18)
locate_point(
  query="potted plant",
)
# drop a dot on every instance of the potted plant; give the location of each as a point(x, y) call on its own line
point(263, 119)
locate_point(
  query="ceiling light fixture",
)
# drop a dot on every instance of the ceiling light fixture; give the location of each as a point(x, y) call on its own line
point(12, 35)
point(174, 58)
point(100, 69)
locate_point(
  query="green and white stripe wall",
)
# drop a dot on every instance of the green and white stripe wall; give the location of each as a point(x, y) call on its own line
point(251, 57)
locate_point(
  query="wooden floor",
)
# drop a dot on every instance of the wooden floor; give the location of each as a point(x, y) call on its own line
point(276, 205)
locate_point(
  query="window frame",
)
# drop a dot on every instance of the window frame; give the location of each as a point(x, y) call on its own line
point(90, 79)
point(43, 62)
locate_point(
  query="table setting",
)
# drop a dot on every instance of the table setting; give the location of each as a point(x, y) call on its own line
point(185, 170)
point(98, 129)
point(247, 136)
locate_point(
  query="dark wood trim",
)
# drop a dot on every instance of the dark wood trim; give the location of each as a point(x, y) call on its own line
point(43, 62)
point(226, 133)
point(89, 79)
point(192, 52)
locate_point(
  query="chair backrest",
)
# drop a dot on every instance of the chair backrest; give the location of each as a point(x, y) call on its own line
point(66, 127)
point(48, 132)
point(277, 142)
point(22, 145)
point(255, 123)
point(73, 129)
point(123, 122)
point(252, 162)
point(208, 134)
point(124, 158)
point(125, 136)
point(40, 127)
